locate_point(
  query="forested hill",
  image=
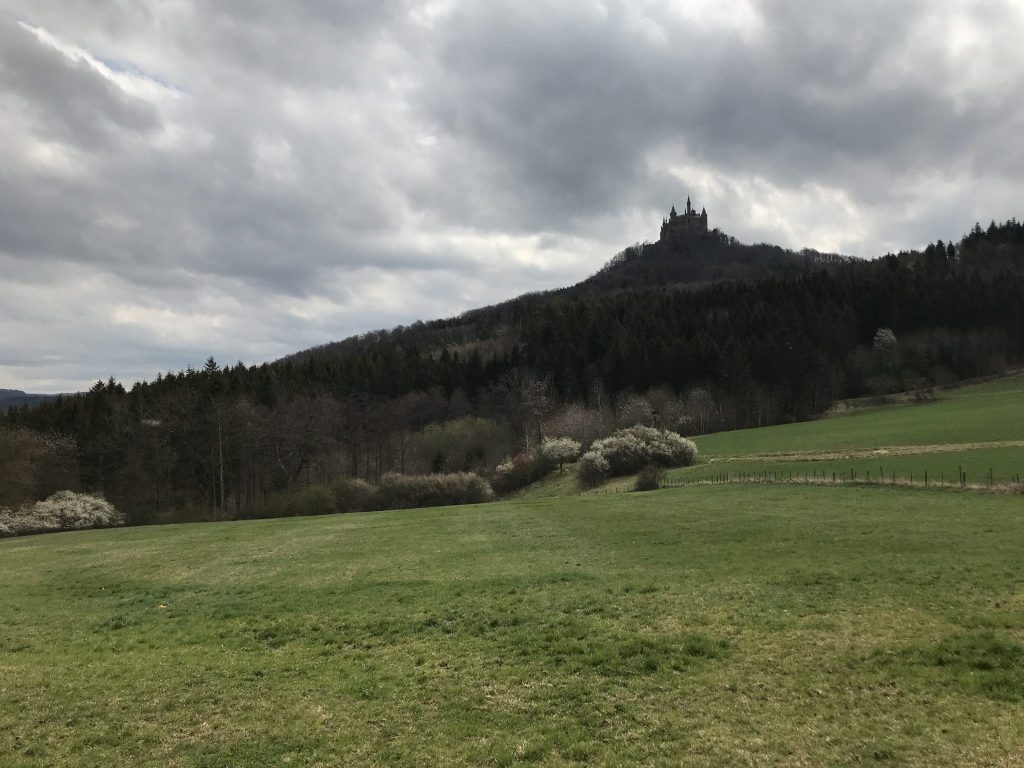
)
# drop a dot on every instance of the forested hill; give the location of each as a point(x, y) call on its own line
point(796, 334)
point(702, 258)
point(690, 261)
point(726, 355)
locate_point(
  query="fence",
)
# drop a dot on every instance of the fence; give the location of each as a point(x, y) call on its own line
point(832, 477)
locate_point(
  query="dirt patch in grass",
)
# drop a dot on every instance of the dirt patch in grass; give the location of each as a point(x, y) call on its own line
point(868, 453)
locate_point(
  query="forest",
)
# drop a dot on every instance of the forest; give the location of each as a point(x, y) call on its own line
point(469, 393)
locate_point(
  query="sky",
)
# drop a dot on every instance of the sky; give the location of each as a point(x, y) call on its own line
point(181, 178)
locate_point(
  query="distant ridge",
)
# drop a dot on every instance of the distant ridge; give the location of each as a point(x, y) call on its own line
point(15, 398)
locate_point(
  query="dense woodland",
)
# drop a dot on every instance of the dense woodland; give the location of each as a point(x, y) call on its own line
point(464, 394)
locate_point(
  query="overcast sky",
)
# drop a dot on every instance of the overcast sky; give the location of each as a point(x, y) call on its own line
point(182, 178)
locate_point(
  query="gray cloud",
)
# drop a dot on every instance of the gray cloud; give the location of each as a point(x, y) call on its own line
point(63, 97)
point(249, 179)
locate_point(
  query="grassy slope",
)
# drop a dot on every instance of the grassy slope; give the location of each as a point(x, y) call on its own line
point(961, 430)
point(982, 413)
point(734, 625)
point(1005, 464)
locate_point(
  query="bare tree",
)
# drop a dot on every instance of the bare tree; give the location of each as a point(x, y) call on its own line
point(703, 408)
point(582, 424)
point(529, 398)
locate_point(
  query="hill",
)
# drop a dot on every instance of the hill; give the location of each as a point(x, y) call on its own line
point(463, 394)
point(832, 623)
point(700, 259)
point(687, 255)
point(14, 398)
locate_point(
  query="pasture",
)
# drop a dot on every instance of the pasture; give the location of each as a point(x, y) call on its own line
point(977, 430)
point(728, 625)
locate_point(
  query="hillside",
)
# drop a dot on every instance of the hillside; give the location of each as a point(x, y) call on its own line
point(976, 431)
point(972, 434)
point(833, 624)
point(685, 258)
point(464, 394)
point(14, 398)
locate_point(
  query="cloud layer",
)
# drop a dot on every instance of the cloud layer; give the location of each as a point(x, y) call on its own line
point(186, 178)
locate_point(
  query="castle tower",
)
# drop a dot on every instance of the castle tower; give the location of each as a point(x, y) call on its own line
point(686, 224)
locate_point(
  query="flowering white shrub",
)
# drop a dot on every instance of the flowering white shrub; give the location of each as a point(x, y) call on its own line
point(592, 468)
point(506, 466)
point(559, 450)
point(630, 449)
point(519, 471)
point(63, 511)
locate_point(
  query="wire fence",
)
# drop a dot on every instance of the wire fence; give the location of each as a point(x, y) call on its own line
point(882, 476)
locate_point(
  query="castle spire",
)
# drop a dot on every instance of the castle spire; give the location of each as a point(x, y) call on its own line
point(689, 208)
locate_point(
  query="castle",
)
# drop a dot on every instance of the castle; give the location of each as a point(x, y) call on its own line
point(689, 223)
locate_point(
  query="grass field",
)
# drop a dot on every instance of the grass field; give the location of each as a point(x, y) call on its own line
point(977, 429)
point(983, 413)
point(731, 625)
point(1005, 465)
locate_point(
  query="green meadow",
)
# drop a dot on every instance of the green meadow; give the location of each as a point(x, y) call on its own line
point(985, 413)
point(727, 625)
point(977, 430)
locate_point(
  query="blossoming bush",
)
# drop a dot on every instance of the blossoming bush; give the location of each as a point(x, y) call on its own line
point(63, 511)
point(518, 472)
point(559, 450)
point(628, 450)
point(592, 468)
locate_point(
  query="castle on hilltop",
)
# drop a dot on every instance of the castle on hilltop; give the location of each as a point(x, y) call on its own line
point(689, 223)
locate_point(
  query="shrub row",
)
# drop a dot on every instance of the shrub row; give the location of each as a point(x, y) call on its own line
point(628, 450)
point(394, 491)
point(63, 511)
point(518, 472)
